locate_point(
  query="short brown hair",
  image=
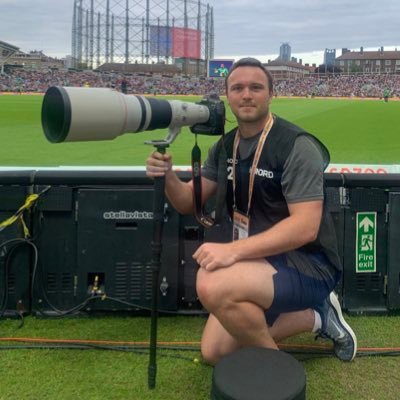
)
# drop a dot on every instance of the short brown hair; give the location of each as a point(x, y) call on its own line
point(251, 62)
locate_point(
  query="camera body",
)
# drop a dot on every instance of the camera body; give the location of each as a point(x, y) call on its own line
point(216, 122)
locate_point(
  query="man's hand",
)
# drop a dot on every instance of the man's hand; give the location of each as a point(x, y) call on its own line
point(158, 164)
point(211, 256)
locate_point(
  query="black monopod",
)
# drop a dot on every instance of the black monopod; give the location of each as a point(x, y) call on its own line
point(91, 114)
point(156, 244)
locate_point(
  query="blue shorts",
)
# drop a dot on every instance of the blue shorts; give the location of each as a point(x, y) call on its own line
point(303, 280)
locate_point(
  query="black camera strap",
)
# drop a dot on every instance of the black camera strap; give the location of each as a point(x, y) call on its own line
point(204, 220)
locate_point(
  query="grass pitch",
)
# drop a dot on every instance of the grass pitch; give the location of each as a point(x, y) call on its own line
point(355, 131)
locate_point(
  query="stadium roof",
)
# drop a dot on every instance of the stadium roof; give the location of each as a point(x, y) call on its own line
point(6, 49)
point(370, 55)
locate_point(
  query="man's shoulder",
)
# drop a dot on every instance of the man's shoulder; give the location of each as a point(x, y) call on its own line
point(301, 137)
point(287, 125)
point(231, 132)
point(227, 138)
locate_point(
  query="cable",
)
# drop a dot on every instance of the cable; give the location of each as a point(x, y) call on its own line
point(303, 354)
point(103, 297)
point(142, 349)
point(180, 344)
point(140, 307)
point(195, 346)
point(30, 202)
point(16, 242)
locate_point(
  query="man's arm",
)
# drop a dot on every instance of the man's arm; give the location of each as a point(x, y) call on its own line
point(302, 183)
point(178, 192)
point(298, 229)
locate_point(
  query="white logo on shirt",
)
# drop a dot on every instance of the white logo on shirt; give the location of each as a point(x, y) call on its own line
point(264, 173)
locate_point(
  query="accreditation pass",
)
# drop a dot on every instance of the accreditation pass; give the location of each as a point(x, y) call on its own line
point(241, 223)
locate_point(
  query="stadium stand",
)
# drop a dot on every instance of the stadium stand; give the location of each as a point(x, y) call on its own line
point(330, 85)
point(170, 69)
point(35, 81)
point(371, 85)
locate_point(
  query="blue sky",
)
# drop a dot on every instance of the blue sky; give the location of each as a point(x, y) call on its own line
point(242, 27)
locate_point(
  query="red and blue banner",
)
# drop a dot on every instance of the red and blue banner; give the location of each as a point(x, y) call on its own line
point(174, 42)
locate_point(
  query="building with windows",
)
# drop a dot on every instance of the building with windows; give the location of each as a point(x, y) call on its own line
point(329, 57)
point(285, 52)
point(369, 62)
point(282, 70)
point(34, 60)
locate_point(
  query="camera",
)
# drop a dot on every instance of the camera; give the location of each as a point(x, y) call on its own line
point(84, 114)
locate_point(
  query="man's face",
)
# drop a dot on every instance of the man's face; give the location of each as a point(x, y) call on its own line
point(248, 94)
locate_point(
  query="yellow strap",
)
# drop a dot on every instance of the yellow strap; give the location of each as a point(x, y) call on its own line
point(30, 200)
point(25, 228)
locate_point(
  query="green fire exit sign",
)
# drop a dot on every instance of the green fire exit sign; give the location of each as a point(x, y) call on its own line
point(366, 242)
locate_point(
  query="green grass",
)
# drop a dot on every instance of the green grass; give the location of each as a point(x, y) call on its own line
point(100, 374)
point(354, 131)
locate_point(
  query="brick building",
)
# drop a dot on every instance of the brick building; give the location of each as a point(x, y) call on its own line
point(288, 69)
point(376, 62)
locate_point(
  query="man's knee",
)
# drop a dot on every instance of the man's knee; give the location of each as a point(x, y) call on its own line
point(210, 355)
point(212, 352)
point(207, 290)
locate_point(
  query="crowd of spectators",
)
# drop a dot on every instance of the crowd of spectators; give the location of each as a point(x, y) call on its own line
point(308, 86)
point(341, 86)
point(38, 81)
